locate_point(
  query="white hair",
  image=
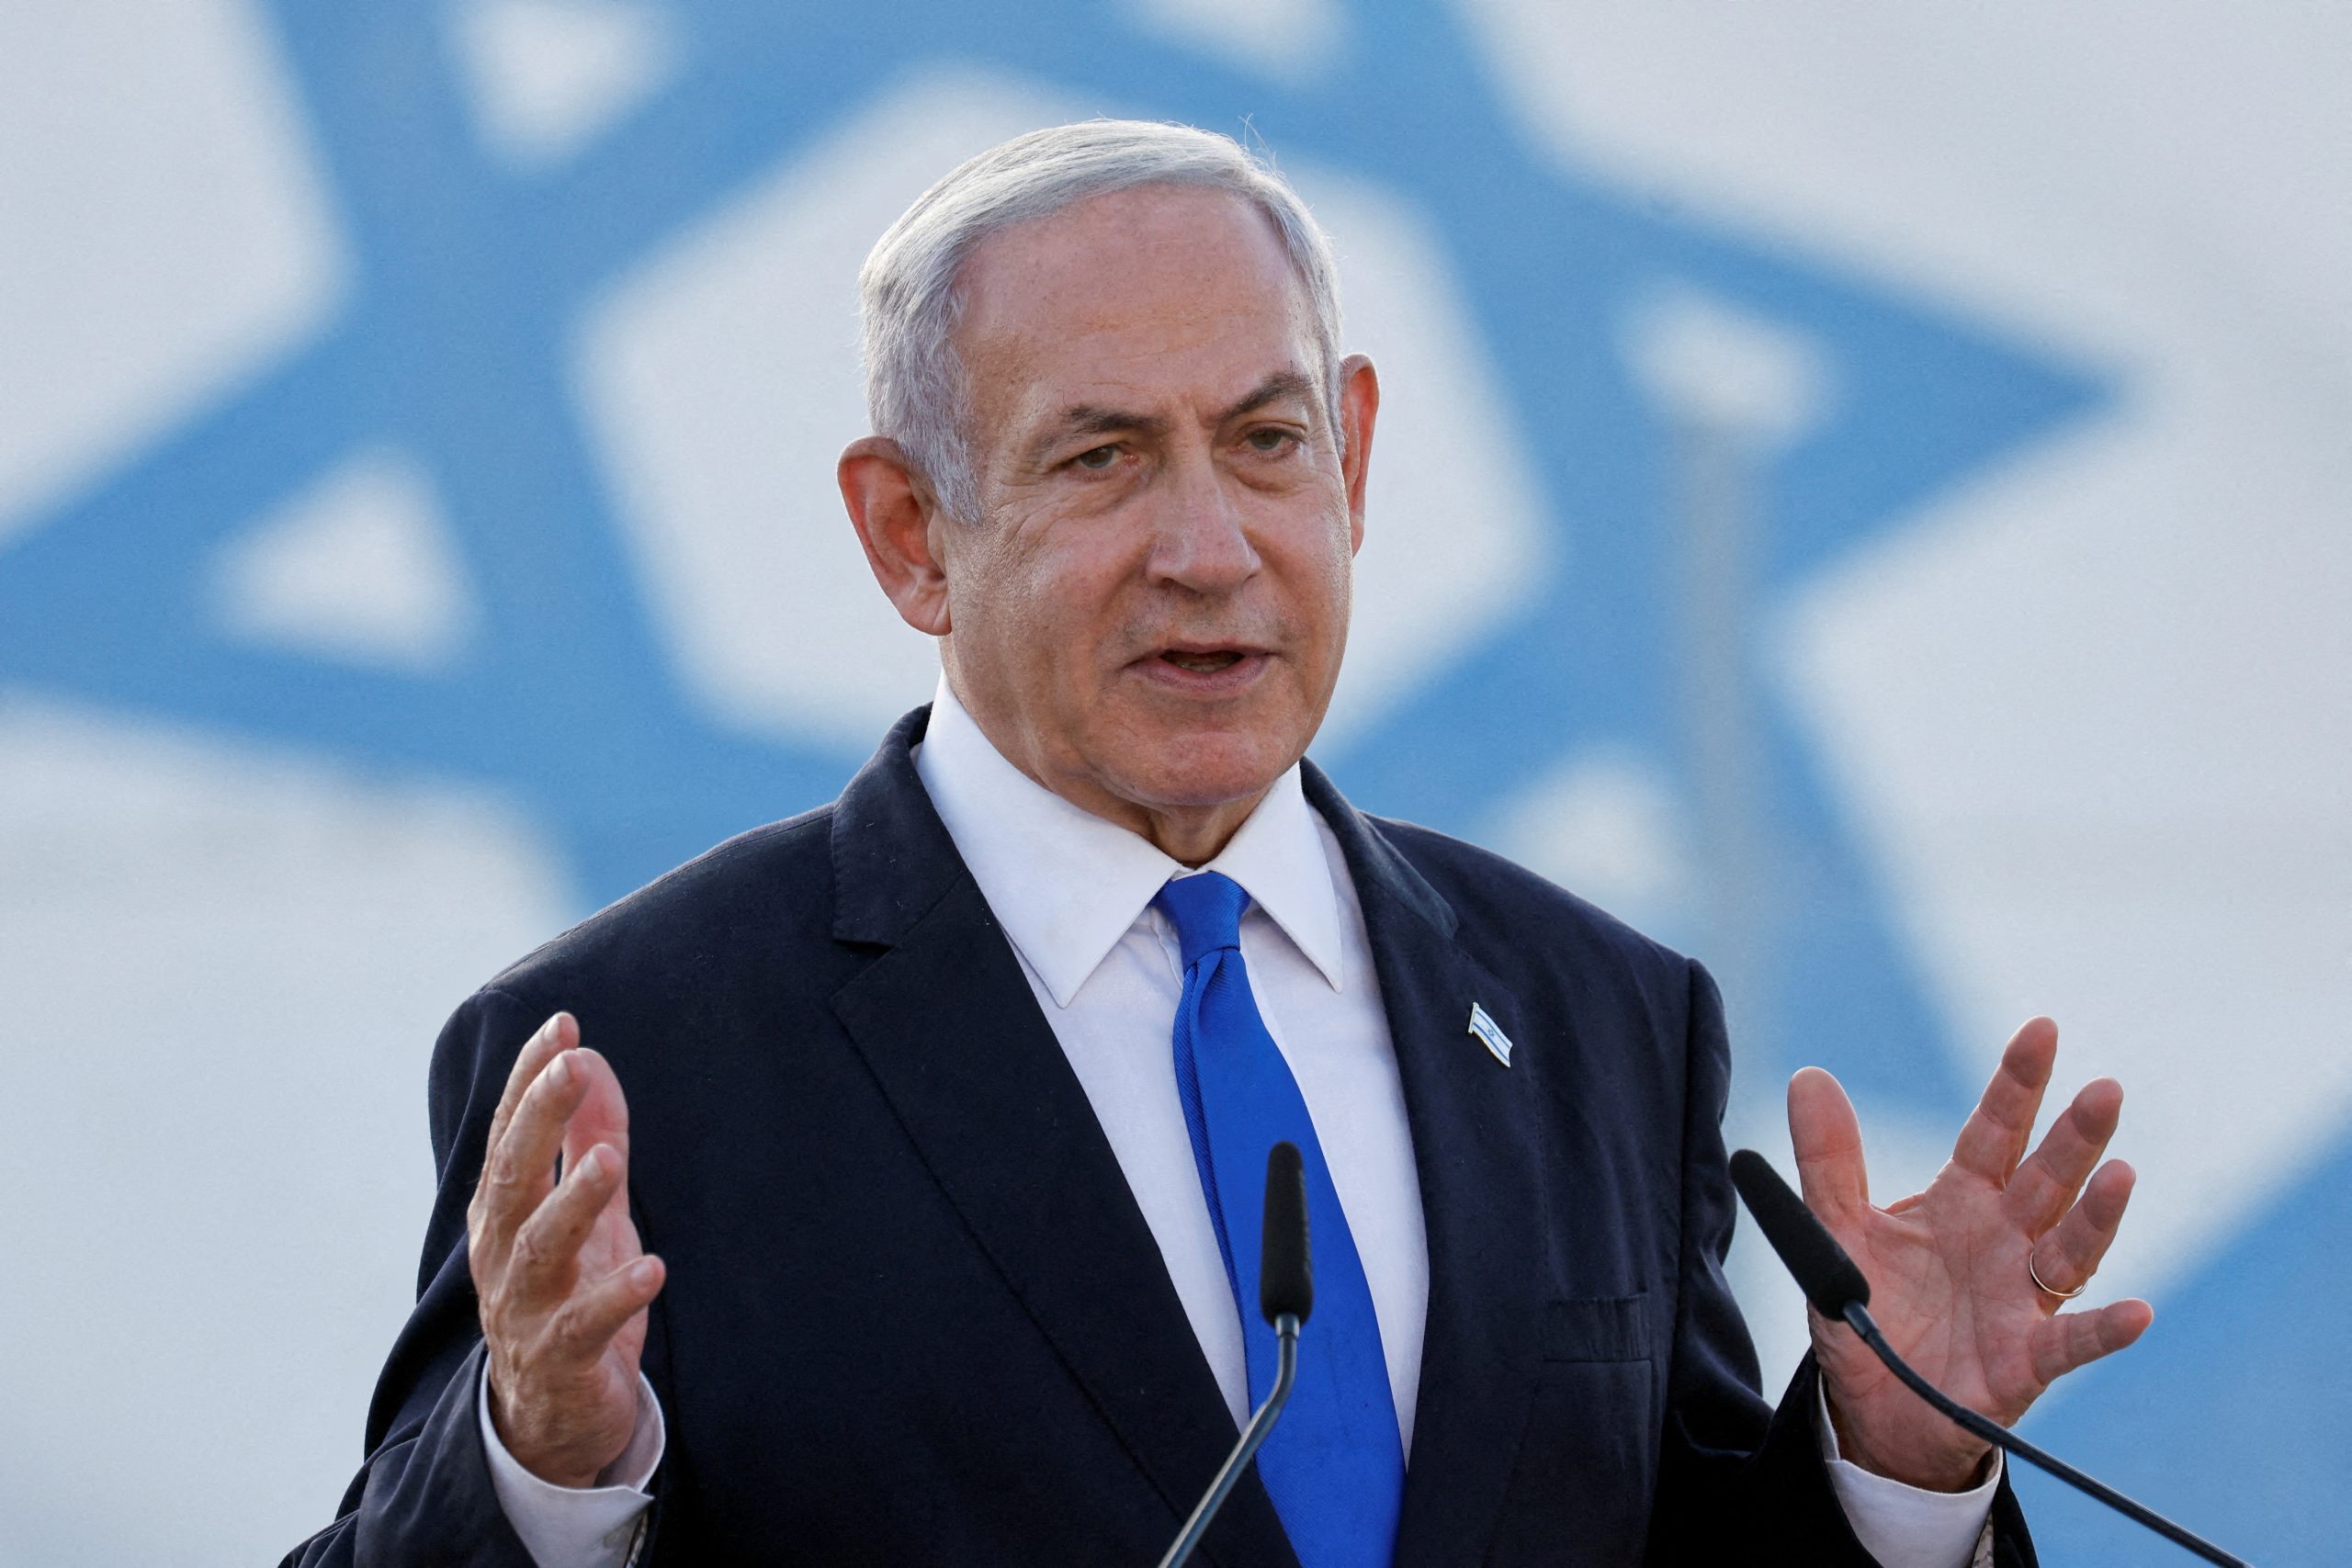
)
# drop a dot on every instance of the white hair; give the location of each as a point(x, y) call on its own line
point(909, 297)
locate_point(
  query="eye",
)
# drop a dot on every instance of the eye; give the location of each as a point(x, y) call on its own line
point(1097, 457)
point(1270, 440)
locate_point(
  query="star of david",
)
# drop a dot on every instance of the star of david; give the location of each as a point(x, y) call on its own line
point(452, 343)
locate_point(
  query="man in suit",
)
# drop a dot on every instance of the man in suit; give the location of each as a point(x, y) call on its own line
point(902, 1210)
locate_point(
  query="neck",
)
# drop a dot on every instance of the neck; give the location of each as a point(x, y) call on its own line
point(1191, 835)
point(1194, 835)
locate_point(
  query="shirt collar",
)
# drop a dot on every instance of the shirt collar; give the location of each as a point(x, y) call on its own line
point(1067, 885)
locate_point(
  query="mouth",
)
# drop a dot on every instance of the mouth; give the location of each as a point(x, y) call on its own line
point(1203, 663)
point(1204, 669)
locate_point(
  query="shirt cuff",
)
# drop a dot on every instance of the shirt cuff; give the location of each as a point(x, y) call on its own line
point(578, 1526)
point(1902, 1526)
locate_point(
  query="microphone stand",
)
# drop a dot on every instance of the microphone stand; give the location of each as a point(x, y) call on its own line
point(1262, 1423)
point(1859, 1317)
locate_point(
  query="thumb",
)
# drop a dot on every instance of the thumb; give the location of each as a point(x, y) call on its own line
point(1828, 1144)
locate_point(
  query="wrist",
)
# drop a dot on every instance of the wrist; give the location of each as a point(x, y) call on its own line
point(557, 1462)
point(1959, 1466)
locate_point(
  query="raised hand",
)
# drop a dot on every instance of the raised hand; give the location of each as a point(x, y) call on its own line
point(1949, 1267)
point(563, 1280)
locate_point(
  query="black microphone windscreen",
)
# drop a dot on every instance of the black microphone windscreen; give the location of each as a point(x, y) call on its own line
point(1285, 1273)
point(1828, 1275)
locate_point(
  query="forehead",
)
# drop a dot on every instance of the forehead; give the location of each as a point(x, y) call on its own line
point(1165, 295)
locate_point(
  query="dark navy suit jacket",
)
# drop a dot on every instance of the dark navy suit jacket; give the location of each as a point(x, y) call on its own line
point(914, 1316)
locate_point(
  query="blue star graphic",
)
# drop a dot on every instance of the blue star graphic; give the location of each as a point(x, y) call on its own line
point(453, 346)
point(453, 343)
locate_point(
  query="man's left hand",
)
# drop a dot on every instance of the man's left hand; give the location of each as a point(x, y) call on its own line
point(1949, 1267)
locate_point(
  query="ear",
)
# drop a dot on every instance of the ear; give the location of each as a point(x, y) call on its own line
point(1358, 408)
point(894, 511)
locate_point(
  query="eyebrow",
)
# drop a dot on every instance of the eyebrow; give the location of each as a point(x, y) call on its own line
point(1092, 419)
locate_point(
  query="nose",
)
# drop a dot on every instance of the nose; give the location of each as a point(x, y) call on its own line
point(1201, 541)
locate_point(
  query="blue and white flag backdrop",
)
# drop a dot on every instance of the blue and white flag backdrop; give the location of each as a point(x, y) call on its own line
point(1862, 494)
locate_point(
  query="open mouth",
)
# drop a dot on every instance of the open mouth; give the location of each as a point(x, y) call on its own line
point(1203, 663)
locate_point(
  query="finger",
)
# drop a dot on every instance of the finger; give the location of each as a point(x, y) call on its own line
point(588, 1322)
point(601, 1116)
point(520, 1169)
point(546, 1247)
point(2043, 1186)
point(1993, 1138)
point(2077, 1338)
point(2070, 1255)
point(558, 1033)
point(1829, 1143)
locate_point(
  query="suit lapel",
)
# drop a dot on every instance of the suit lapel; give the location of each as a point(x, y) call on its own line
point(1476, 1142)
point(947, 1024)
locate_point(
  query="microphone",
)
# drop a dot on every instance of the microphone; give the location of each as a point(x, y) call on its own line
point(1285, 1273)
point(1285, 1298)
point(1837, 1289)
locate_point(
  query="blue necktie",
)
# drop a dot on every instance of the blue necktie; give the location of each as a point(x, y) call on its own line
point(1334, 1466)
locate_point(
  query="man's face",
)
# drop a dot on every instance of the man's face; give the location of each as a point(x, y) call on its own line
point(1150, 612)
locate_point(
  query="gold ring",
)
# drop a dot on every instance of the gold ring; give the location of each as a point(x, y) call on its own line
point(2062, 1295)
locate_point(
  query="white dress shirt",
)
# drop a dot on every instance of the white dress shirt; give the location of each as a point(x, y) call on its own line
point(1073, 893)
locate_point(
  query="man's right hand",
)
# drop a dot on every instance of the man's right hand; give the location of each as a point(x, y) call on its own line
point(563, 1280)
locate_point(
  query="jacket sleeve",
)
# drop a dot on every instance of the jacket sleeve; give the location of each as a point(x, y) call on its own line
point(424, 1493)
point(1740, 1481)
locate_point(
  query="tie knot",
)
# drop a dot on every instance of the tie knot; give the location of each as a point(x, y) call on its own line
point(1206, 912)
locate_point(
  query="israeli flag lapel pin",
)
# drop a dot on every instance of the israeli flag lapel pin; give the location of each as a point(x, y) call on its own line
point(1490, 1034)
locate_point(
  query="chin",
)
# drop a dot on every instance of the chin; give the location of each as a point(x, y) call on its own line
point(1206, 769)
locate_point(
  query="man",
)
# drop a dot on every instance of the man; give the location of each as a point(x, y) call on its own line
point(944, 1107)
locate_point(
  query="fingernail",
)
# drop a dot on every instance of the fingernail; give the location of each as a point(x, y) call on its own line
point(641, 1272)
point(593, 1168)
point(559, 1071)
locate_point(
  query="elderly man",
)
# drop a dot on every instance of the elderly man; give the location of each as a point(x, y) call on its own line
point(946, 1105)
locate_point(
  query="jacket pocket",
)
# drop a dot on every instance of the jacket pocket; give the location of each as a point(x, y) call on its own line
point(1597, 1328)
point(1580, 1482)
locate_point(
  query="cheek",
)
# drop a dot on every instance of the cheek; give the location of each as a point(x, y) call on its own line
point(1343, 570)
point(1089, 569)
point(1045, 597)
point(1331, 582)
